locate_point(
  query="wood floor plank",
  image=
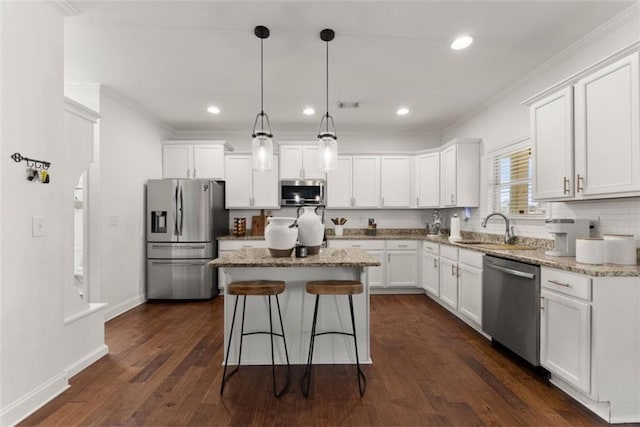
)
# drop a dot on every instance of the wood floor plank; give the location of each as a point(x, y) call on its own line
point(429, 368)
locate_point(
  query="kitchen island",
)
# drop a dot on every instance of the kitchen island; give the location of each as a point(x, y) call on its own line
point(297, 305)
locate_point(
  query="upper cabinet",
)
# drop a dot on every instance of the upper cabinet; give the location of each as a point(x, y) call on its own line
point(193, 159)
point(586, 134)
point(299, 162)
point(246, 188)
point(366, 181)
point(396, 185)
point(460, 173)
point(340, 184)
point(428, 180)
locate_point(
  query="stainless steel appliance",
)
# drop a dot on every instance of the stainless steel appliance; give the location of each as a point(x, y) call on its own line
point(511, 306)
point(565, 232)
point(302, 193)
point(184, 219)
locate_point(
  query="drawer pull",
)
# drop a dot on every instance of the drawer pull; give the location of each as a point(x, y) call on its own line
point(556, 282)
point(246, 246)
point(356, 246)
point(403, 246)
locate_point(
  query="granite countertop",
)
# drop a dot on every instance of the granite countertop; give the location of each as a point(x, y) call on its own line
point(328, 257)
point(536, 255)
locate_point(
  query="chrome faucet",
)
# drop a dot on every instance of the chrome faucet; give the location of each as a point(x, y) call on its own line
point(508, 234)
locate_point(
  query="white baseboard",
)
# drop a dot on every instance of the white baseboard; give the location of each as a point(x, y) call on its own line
point(118, 309)
point(87, 360)
point(32, 401)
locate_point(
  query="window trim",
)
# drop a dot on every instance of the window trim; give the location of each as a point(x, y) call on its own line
point(515, 145)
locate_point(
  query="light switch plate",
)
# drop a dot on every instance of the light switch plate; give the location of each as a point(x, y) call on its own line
point(113, 221)
point(38, 226)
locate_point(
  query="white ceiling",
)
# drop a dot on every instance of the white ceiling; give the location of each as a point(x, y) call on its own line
point(176, 58)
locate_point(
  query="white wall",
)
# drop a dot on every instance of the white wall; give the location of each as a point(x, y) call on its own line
point(505, 120)
point(31, 287)
point(130, 153)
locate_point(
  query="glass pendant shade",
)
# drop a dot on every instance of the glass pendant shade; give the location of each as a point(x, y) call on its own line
point(327, 153)
point(262, 151)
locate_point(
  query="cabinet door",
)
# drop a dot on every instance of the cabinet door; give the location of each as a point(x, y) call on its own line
point(448, 163)
point(177, 161)
point(238, 189)
point(402, 268)
point(552, 138)
point(290, 162)
point(428, 180)
point(266, 188)
point(395, 181)
point(310, 163)
point(470, 287)
point(608, 130)
point(208, 161)
point(565, 338)
point(366, 181)
point(448, 283)
point(430, 273)
point(340, 184)
point(377, 274)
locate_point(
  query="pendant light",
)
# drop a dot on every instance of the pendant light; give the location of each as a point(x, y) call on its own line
point(262, 144)
point(327, 138)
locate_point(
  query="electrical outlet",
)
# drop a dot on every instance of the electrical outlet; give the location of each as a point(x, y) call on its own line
point(38, 226)
point(113, 221)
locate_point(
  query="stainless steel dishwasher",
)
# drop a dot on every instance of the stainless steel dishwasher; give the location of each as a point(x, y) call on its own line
point(511, 306)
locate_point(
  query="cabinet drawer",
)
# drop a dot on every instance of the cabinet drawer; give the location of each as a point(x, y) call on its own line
point(374, 245)
point(450, 252)
point(402, 244)
point(567, 283)
point(431, 247)
point(471, 258)
point(234, 245)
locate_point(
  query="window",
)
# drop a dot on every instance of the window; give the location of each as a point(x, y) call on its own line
point(511, 182)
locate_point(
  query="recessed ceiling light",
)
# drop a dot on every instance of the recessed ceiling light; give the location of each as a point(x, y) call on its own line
point(402, 111)
point(213, 109)
point(462, 42)
point(308, 111)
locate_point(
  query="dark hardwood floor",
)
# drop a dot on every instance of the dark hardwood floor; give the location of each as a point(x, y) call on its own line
point(429, 369)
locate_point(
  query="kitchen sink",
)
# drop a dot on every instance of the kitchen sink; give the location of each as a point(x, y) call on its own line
point(495, 246)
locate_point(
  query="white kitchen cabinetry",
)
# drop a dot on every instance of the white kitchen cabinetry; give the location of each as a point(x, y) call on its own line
point(607, 130)
point(431, 268)
point(396, 183)
point(366, 181)
point(190, 159)
point(299, 162)
point(449, 281)
point(586, 133)
point(428, 180)
point(552, 138)
point(225, 247)
point(460, 173)
point(375, 248)
point(402, 263)
point(340, 184)
point(565, 327)
point(246, 188)
point(469, 273)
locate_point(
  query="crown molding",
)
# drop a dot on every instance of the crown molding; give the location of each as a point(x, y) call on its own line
point(80, 110)
point(137, 108)
point(65, 7)
point(607, 27)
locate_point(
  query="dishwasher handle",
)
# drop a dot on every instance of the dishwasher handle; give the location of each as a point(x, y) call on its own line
point(512, 271)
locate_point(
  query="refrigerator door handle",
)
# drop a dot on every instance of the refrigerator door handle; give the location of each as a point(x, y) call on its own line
point(181, 212)
point(175, 209)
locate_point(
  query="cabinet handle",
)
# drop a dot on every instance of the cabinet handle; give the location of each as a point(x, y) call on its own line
point(580, 183)
point(194, 172)
point(453, 270)
point(403, 246)
point(556, 282)
point(417, 201)
point(188, 173)
point(435, 263)
point(541, 303)
point(567, 185)
point(453, 199)
point(383, 201)
point(353, 201)
point(356, 246)
point(388, 257)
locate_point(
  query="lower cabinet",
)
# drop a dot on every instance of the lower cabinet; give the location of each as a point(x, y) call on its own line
point(377, 274)
point(228, 246)
point(430, 281)
point(448, 283)
point(402, 263)
point(470, 285)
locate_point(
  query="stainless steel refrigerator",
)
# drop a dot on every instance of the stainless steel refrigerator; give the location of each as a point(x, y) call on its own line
point(184, 220)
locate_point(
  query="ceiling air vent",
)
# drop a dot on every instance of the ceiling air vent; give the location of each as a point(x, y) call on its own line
point(349, 104)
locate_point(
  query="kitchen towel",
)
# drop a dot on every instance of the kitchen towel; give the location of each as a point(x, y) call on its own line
point(620, 249)
point(590, 251)
point(454, 234)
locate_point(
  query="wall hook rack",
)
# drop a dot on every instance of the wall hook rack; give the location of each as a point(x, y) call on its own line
point(32, 163)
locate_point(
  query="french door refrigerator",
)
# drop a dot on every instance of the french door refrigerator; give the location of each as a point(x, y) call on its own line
point(184, 219)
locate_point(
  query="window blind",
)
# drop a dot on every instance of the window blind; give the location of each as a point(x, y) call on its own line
point(512, 184)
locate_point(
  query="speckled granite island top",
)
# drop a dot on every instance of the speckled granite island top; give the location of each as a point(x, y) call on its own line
point(328, 257)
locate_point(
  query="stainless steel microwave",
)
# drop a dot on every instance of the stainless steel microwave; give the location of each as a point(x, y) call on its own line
point(302, 193)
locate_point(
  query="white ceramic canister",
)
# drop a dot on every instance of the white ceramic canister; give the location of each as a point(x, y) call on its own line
point(310, 230)
point(620, 249)
point(590, 250)
point(281, 239)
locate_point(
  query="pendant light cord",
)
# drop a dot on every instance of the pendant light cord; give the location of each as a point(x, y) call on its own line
point(327, 86)
point(262, 83)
